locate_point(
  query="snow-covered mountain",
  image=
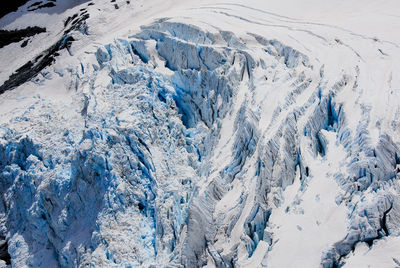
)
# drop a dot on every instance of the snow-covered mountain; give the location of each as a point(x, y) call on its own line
point(175, 133)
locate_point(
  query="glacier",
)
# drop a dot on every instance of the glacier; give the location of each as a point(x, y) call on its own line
point(185, 134)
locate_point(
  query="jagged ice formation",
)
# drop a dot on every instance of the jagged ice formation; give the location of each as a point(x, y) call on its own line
point(236, 142)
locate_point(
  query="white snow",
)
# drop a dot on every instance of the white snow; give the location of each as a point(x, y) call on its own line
point(309, 220)
point(383, 253)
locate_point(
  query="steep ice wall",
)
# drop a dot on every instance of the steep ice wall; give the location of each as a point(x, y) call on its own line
point(134, 156)
point(101, 171)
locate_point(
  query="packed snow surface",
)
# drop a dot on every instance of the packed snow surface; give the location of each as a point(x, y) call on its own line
point(201, 133)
